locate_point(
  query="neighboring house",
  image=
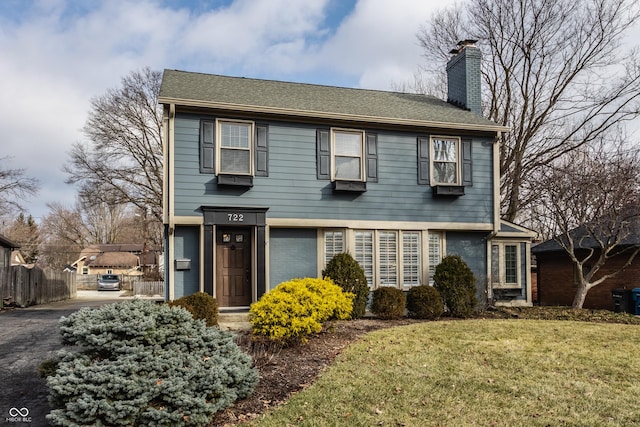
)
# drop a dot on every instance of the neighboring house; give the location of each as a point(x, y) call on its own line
point(6, 249)
point(557, 275)
point(17, 258)
point(127, 259)
point(267, 180)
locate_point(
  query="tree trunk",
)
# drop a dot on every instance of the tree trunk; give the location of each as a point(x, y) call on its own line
point(581, 295)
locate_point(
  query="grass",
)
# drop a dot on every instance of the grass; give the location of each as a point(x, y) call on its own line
point(482, 372)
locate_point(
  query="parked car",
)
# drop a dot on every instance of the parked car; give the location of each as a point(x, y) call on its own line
point(109, 282)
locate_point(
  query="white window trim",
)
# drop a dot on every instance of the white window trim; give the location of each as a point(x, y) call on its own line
point(401, 279)
point(458, 142)
point(349, 246)
point(427, 245)
point(501, 282)
point(363, 175)
point(219, 148)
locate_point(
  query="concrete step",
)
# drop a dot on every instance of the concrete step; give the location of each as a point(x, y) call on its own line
point(233, 320)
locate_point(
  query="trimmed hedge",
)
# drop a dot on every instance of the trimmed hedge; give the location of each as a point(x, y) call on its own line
point(388, 303)
point(347, 273)
point(297, 308)
point(456, 283)
point(201, 306)
point(424, 302)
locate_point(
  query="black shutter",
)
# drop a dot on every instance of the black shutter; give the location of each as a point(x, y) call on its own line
point(467, 175)
point(207, 147)
point(423, 160)
point(262, 150)
point(323, 154)
point(372, 157)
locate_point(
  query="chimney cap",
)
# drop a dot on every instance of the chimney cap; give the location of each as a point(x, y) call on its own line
point(462, 44)
point(467, 42)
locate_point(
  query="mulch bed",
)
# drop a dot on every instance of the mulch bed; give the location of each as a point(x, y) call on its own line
point(287, 370)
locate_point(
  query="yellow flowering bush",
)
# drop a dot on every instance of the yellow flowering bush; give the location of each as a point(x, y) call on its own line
point(297, 308)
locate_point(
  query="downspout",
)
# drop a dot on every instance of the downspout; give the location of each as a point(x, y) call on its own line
point(168, 211)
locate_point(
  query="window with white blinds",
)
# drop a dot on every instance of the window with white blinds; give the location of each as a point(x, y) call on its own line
point(411, 258)
point(364, 254)
point(435, 253)
point(333, 244)
point(388, 255)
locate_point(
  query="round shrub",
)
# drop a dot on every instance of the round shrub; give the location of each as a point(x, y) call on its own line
point(297, 308)
point(424, 302)
point(388, 303)
point(347, 273)
point(456, 283)
point(138, 363)
point(201, 306)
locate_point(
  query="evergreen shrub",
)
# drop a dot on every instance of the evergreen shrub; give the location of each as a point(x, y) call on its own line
point(138, 363)
point(456, 283)
point(388, 303)
point(201, 306)
point(347, 273)
point(424, 302)
point(297, 308)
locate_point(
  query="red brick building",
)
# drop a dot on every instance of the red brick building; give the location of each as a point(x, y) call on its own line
point(557, 279)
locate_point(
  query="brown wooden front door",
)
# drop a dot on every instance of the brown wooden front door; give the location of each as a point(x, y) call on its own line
point(233, 267)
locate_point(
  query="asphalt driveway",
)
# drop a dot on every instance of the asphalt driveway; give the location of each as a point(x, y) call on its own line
point(28, 336)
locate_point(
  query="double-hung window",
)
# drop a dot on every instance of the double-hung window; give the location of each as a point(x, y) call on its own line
point(348, 155)
point(505, 265)
point(235, 148)
point(445, 161)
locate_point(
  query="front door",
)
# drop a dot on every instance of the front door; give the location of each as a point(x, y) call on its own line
point(233, 267)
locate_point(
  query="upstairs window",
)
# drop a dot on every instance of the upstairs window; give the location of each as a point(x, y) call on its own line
point(445, 161)
point(235, 148)
point(347, 155)
point(348, 149)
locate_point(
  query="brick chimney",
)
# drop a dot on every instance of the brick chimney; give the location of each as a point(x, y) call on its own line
point(463, 77)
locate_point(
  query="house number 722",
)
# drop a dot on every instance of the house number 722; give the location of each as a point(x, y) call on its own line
point(235, 217)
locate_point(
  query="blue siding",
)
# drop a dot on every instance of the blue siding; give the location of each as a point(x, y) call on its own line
point(293, 253)
point(292, 190)
point(187, 282)
point(472, 247)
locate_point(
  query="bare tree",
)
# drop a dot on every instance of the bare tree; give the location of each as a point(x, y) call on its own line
point(14, 186)
point(592, 201)
point(555, 72)
point(123, 162)
point(24, 231)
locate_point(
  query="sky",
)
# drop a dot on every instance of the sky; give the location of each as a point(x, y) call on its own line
point(55, 55)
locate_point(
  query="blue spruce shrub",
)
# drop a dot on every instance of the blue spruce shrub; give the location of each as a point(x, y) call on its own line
point(138, 363)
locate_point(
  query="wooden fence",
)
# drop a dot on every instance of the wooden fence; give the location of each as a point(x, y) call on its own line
point(148, 288)
point(31, 286)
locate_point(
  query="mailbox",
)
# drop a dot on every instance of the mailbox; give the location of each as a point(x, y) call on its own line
point(183, 264)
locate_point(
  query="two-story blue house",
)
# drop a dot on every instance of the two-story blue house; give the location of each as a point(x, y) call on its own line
point(267, 180)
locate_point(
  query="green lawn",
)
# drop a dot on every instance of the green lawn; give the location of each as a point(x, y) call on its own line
point(477, 373)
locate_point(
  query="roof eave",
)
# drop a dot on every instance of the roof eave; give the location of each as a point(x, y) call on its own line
point(326, 115)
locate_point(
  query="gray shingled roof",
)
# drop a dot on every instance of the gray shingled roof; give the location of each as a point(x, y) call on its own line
point(209, 90)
